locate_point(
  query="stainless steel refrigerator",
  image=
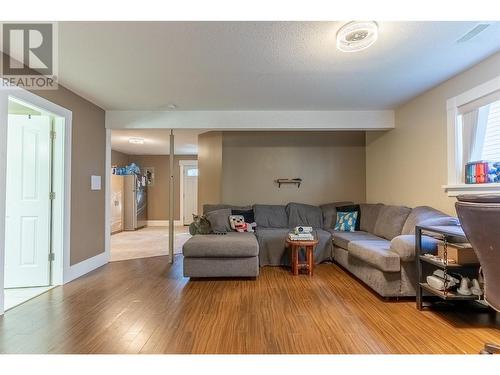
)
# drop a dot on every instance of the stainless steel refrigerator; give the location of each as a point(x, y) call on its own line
point(135, 202)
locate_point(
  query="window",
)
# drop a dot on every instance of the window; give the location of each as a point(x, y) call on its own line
point(474, 136)
point(479, 129)
point(491, 145)
point(192, 172)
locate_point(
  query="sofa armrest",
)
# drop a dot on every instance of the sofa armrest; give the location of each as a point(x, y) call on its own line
point(404, 245)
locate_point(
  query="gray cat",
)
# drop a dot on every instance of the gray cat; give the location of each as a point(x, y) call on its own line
point(200, 225)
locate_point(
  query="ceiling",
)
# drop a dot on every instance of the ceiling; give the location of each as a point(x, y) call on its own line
point(156, 142)
point(261, 65)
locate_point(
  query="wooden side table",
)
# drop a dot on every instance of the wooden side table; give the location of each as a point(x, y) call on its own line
point(295, 247)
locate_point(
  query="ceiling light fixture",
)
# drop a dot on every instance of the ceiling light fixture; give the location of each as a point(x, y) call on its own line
point(172, 106)
point(357, 35)
point(136, 141)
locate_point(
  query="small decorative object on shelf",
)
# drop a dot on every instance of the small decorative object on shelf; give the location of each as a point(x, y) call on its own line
point(482, 172)
point(296, 181)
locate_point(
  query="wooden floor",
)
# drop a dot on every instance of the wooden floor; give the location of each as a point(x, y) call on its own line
point(146, 306)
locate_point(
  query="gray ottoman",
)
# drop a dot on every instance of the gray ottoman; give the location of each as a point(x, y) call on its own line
point(230, 255)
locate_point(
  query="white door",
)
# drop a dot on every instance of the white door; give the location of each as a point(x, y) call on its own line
point(27, 231)
point(190, 190)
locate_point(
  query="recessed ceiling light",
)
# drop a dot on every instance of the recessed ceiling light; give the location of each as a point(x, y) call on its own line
point(357, 35)
point(136, 141)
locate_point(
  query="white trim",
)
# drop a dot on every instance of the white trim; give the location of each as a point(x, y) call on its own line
point(86, 266)
point(251, 120)
point(457, 189)
point(182, 164)
point(107, 199)
point(456, 184)
point(61, 268)
point(161, 223)
point(4, 113)
point(474, 93)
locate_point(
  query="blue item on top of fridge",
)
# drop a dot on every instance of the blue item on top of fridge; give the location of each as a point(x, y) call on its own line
point(132, 168)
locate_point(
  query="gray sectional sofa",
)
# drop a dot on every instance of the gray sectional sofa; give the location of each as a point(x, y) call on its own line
point(381, 253)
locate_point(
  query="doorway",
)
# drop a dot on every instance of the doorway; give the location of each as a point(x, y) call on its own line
point(188, 190)
point(34, 191)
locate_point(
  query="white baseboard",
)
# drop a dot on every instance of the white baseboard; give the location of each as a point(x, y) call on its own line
point(84, 267)
point(161, 223)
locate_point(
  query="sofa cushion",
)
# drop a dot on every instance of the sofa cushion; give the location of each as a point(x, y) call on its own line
point(369, 214)
point(230, 245)
point(213, 207)
point(219, 220)
point(329, 211)
point(404, 245)
point(377, 253)
point(342, 239)
point(270, 216)
point(390, 221)
point(304, 215)
point(426, 215)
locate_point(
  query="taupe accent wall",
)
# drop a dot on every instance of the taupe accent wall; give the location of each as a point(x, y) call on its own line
point(88, 158)
point(118, 158)
point(88, 148)
point(331, 164)
point(210, 168)
point(158, 194)
point(408, 165)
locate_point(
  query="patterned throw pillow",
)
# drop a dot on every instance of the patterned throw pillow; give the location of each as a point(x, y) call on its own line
point(346, 221)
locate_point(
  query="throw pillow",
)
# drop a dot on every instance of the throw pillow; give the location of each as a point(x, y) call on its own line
point(346, 221)
point(248, 215)
point(352, 208)
point(238, 224)
point(219, 220)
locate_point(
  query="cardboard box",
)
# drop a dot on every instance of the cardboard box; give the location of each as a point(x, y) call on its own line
point(458, 253)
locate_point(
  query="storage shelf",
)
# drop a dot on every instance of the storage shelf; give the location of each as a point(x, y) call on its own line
point(449, 296)
point(448, 266)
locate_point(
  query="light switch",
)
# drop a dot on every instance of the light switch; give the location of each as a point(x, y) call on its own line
point(95, 182)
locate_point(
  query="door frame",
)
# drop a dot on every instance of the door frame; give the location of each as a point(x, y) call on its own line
point(61, 213)
point(182, 164)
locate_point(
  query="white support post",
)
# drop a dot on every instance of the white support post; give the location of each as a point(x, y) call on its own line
point(171, 202)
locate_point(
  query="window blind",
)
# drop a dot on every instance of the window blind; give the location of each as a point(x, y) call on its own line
point(491, 145)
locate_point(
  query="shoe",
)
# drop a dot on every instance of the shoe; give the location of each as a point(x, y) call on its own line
point(476, 288)
point(451, 281)
point(464, 287)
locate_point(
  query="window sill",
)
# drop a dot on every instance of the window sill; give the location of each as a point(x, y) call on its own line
point(457, 189)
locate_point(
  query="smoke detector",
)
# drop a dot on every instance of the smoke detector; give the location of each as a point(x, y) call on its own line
point(357, 35)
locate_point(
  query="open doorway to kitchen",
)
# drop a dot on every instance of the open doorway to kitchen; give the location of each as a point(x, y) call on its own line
point(188, 196)
point(140, 191)
point(34, 201)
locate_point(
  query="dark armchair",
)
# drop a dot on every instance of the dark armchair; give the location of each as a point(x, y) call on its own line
point(480, 219)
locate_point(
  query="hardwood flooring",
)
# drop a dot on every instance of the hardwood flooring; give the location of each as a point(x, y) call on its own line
point(146, 306)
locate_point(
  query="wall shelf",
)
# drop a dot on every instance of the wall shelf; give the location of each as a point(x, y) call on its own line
point(281, 181)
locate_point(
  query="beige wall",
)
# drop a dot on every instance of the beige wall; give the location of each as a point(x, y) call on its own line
point(210, 168)
point(331, 164)
point(88, 158)
point(158, 194)
point(408, 165)
point(119, 158)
